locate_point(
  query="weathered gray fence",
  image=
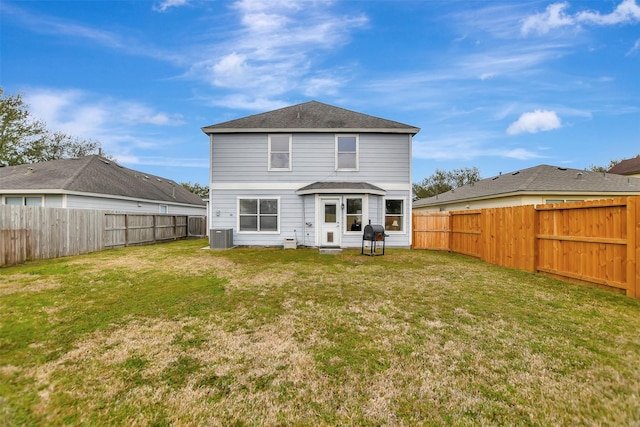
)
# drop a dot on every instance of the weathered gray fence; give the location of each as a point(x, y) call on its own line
point(30, 233)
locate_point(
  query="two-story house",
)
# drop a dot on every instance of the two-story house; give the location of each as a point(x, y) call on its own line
point(311, 172)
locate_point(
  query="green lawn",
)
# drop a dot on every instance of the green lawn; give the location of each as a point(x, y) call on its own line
point(175, 335)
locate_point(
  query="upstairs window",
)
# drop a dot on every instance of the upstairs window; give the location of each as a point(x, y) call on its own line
point(279, 152)
point(346, 152)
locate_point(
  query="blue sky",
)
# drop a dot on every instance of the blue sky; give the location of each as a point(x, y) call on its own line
point(500, 85)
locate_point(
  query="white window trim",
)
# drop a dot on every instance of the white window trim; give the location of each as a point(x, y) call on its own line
point(160, 209)
point(365, 212)
point(357, 151)
point(550, 201)
point(269, 168)
point(404, 215)
point(24, 199)
point(261, 233)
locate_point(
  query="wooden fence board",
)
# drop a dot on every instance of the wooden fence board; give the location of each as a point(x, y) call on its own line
point(431, 229)
point(29, 232)
point(593, 241)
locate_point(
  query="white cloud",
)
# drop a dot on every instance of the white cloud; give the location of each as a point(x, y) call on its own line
point(635, 47)
point(322, 86)
point(555, 17)
point(463, 148)
point(164, 161)
point(121, 126)
point(520, 154)
point(626, 12)
point(240, 101)
point(167, 4)
point(230, 70)
point(44, 24)
point(253, 6)
point(276, 48)
point(535, 121)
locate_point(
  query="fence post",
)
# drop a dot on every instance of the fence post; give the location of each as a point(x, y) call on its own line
point(485, 222)
point(126, 230)
point(633, 248)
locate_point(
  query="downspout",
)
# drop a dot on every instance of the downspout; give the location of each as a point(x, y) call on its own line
point(409, 214)
point(304, 221)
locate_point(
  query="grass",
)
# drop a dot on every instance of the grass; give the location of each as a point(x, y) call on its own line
point(175, 335)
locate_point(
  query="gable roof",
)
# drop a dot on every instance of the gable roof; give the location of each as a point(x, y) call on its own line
point(95, 175)
point(312, 116)
point(627, 167)
point(537, 180)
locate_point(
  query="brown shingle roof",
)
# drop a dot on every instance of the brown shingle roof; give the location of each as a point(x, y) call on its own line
point(95, 175)
point(312, 116)
point(627, 167)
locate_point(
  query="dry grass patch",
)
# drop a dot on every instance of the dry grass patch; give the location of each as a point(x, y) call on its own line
point(14, 283)
point(174, 335)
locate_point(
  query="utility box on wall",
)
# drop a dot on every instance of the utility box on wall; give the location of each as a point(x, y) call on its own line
point(221, 238)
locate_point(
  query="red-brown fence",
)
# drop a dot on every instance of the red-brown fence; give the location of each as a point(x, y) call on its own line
point(596, 242)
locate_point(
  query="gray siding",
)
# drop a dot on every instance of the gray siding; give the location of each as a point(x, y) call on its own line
point(239, 168)
point(298, 218)
point(103, 203)
point(292, 221)
point(53, 201)
point(244, 158)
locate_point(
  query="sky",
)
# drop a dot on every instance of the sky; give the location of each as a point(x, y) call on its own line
point(497, 85)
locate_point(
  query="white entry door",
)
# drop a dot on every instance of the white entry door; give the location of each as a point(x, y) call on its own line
point(330, 230)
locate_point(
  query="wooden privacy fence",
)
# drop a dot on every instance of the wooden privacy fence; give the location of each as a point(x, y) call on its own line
point(30, 233)
point(139, 229)
point(596, 242)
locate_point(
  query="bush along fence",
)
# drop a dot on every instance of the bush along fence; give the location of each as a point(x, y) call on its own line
point(31, 233)
point(594, 242)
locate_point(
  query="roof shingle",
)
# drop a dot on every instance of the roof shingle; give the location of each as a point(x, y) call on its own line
point(96, 175)
point(312, 116)
point(538, 179)
point(627, 167)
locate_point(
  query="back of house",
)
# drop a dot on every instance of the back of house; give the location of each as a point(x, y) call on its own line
point(310, 173)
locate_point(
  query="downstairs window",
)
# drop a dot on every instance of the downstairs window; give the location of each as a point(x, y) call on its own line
point(258, 215)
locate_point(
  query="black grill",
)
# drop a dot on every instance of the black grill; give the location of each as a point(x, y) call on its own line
point(373, 234)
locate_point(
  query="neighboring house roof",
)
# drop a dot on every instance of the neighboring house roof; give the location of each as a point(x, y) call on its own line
point(627, 167)
point(93, 175)
point(312, 116)
point(341, 187)
point(543, 179)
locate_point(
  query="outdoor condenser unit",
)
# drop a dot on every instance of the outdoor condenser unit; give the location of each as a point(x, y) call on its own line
point(221, 238)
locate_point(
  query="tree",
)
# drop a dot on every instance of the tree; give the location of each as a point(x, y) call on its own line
point(18, 132)
point(612, 163)
point(27, 140)
point(442, 181)
point(198, 189)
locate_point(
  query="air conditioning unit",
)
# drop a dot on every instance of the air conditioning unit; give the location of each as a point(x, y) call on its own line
point(221, 238)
